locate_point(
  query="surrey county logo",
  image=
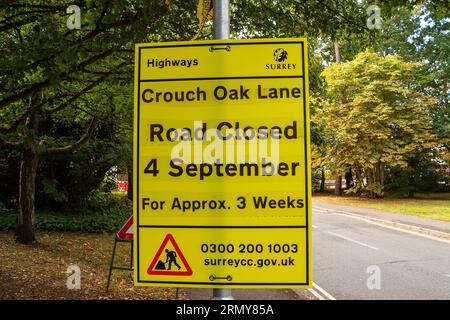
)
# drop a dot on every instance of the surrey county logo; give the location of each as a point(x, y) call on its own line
point(280, 56)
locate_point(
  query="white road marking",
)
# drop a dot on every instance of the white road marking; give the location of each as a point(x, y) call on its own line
point(314, 292)
point(351, 240)
point(396, 228)
point(353, 216)
point(447, 275)
point(318, 292)
point(323, 292)
point(314, 227)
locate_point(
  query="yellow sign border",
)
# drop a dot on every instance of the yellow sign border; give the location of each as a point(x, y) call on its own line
point(306, 115)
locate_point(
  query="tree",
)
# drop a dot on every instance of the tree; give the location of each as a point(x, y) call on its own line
point(421, 34)
point(47, 69)
point(377, 117)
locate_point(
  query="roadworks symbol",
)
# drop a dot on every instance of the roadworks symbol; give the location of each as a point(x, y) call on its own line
point(169, 260)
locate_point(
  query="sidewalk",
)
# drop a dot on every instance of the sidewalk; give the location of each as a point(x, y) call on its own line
point(250, 294)
point(420, 222)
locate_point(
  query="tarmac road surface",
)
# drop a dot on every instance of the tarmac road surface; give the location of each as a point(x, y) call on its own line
point(349, 253)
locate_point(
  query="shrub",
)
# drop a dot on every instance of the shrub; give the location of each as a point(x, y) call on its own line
point(102, 213)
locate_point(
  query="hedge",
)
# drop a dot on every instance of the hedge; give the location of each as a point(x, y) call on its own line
point(101, 213)
point(59, 222)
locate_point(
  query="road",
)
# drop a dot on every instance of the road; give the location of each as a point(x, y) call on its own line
point(346, 248)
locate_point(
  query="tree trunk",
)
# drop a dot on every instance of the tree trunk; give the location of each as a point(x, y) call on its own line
point(337, 52)
point(382, 174)
point(24, 232)
point(377, 176)
point(338, 185)
point(358, 178)
point(322, 180)
point(372, 180)
point(349, 179)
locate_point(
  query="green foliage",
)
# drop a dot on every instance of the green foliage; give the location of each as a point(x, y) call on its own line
point(376, 117)
point(109, 183)
point(423, 174)
point(335, 19)
point(102, 213)
point(421, 34)
point(316, 178)
point(76, 175)
point(101, 202)
point(9, 169)
point(50, 190)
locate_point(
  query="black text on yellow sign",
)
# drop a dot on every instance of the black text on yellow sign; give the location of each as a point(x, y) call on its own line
point(221, 164)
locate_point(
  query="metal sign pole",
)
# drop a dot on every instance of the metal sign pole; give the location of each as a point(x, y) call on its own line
point(221, 30)
point(221, 19)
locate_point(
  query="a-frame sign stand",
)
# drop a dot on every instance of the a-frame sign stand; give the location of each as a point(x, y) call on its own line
point(113, 267)
point(125, 235)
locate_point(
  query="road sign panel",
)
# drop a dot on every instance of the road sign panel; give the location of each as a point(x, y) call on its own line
point(126, 232)
point(222, 163)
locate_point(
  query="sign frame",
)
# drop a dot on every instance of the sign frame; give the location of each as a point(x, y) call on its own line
point(304, 109)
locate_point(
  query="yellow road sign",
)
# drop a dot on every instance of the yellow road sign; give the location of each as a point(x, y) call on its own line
point(222, 165)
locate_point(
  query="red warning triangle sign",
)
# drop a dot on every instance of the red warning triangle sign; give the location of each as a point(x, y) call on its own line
point(126, 232)
point(170, 265)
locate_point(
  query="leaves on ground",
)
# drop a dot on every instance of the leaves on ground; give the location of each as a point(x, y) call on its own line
point(39, 271)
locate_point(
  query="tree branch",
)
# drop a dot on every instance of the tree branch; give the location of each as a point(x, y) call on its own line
point(80, 41)
point(348, 20)
point(47, 82)
point(17, 24)
point(24, 13)
point(74, 146)
point(29, 110)
point(85, 89)
point(59, 96)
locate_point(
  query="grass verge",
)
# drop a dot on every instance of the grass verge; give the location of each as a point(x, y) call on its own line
point(432, 206)
point(38, 271)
